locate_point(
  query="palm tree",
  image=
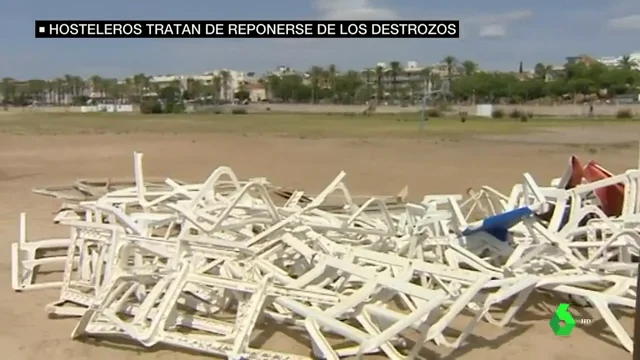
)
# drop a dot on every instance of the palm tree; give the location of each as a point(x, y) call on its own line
point(426, 77)
point(36, 89)
point(122, 91)
point(8, 91)
point(540, 70)
point(141, 84)
point(264, 81)
point(154, 88)
point(469, 67)
point(195, 89)
point(315, 73)
point(368, 75)
point(627, 63)
point(75, 87)
point(270, 83)
point(451, 63)
point(113, 89)
point(347, 86)
point(22, 96)
point(415, 87)
point(69, 87)
point(59, 88)
point(217, 86)
point(332, 72)
point(131, 92)
point(50, 90)
point(225, 77)
point(97, 85)
point(80, 85)
point(379, 84)
point(425, 74)
point(394, 70)
point(543, 71)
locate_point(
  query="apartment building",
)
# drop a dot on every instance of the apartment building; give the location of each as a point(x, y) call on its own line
point(409, 80)
point(257, 92)
point(411, 74)
point(236, 80)
point(581, 59)
point(557, 71)
point(284, 70)
point(614, 61)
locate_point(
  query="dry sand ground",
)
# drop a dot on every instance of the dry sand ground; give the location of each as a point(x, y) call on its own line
point(373, 166)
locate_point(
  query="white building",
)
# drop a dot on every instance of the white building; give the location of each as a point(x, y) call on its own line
point(236, 80)
point(412, 68)
point(411, 72)
point(615, 60)
point(283, 70)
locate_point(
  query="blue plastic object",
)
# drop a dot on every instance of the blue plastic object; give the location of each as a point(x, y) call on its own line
point(498, 225)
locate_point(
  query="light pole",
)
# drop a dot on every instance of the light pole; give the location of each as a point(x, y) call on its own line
point(428, 92)
point(423, 114)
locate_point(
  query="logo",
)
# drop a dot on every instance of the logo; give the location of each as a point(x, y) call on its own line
point(562, 322)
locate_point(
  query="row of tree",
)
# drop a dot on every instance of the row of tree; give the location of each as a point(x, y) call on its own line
point(71, 89)
point(460, 81)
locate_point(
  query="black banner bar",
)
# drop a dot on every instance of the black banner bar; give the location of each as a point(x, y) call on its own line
point(246, 29)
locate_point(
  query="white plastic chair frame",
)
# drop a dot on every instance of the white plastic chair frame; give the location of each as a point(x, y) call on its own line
point(26, 259)
point(130, 272)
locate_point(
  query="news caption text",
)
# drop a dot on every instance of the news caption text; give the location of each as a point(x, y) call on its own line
point(248, 29)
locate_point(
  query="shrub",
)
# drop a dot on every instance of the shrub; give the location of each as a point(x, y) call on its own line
point(209, 110)
point(497, 114)
point(239, 111)
point(463, 116)
point(624, 114)
point(173, 107)
point(434, 113)
point(516, 114)
point(177, 108)
point(150, 107)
